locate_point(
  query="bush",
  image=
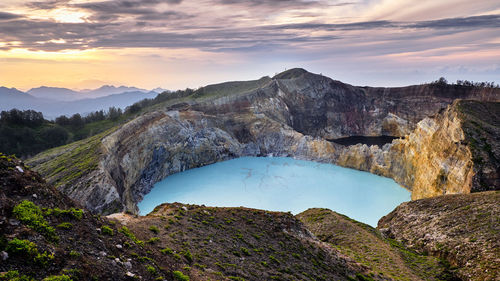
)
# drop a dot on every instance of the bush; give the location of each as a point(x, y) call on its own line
point(71, 213)
point(65, 225)
point(31, 215)
point(151, 269)
point(167, 251)
point(13, 275)
point(62, 277)
point(29, 251)
point(153, 240)
point(130, 235)
point(154, 229)
point(106, 230)
point(180, 276)
point(188, 256)
point(22, 247)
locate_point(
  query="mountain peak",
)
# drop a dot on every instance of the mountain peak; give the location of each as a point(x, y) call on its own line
point(291, 73)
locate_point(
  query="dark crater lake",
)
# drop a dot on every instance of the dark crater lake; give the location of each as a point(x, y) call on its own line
point(378, 140)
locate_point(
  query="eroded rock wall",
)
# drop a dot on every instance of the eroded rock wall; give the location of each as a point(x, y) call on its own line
point(289, 115)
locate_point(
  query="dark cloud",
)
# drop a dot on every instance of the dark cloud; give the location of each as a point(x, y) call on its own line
point(488, 21)
point(332, 27)
point(8, 16)
point(167, 15)
point(269, 5)
point(133, 7)
point(46, 5)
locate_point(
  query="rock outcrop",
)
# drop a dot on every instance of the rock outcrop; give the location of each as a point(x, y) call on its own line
point(292, 114)
point(461, 228)
point(440, 155)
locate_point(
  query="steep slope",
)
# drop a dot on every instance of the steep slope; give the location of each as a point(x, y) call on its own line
point(463, 229)
point(43, 233)
point(293, 114)
point(238, 244)
point(367, 246)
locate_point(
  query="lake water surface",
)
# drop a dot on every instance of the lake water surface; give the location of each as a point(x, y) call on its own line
point(280, 184)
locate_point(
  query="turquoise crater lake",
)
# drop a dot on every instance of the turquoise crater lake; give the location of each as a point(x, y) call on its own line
point(280, 184)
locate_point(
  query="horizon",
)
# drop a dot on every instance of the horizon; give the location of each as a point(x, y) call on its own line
point(178, 44)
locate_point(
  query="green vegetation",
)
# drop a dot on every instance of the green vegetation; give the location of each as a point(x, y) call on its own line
point(154, 229)
point(65, 225)
point(70, 213)
point(13, 275)
point(27, 249)
point(130, 235)
point(180, 276)
point(25, 133)
point(151, 269)
point(31, 215)
point(62, 277)
point(106, 230)
point(153, 240)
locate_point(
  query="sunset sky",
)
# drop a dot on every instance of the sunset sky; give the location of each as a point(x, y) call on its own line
point(186, 43)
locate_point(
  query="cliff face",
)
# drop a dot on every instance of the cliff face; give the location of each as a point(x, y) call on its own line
point(441, 156)
point(462, 228)
point(292, 114)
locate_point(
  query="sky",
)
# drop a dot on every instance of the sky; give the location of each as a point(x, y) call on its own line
point(176, 44)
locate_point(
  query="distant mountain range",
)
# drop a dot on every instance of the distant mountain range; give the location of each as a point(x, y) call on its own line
point(53, 102)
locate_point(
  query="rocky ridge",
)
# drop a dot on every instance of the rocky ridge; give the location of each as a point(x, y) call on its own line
point(461, 228)
point(292, 114)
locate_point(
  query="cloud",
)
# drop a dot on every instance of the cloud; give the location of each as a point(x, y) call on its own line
point(486, 21)
point(46, 5)
point(8, 16)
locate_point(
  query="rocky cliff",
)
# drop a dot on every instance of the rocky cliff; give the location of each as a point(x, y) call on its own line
point(461, 228)
point(292, 114)
point(443, 155)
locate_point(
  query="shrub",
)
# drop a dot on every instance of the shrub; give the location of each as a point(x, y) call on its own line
point(106, 230)
point(29, 251)
point(31, 215)
point(62, 277)
point(245, 251)
point(153, 240)
point(72, 213)
point(180, 276)
point(65, 225)
point(130, 235)
point(167, 251)
point(74, 254)
point(188, 256)
point(22, 247)
point(154, 229)
point(13, 275)
point(151, 269)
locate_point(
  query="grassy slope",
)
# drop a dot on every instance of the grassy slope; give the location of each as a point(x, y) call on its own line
point(237, 244)
point(367, 246)
point(65, 164)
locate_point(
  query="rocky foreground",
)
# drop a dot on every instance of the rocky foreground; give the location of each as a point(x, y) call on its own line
point(443, 148)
